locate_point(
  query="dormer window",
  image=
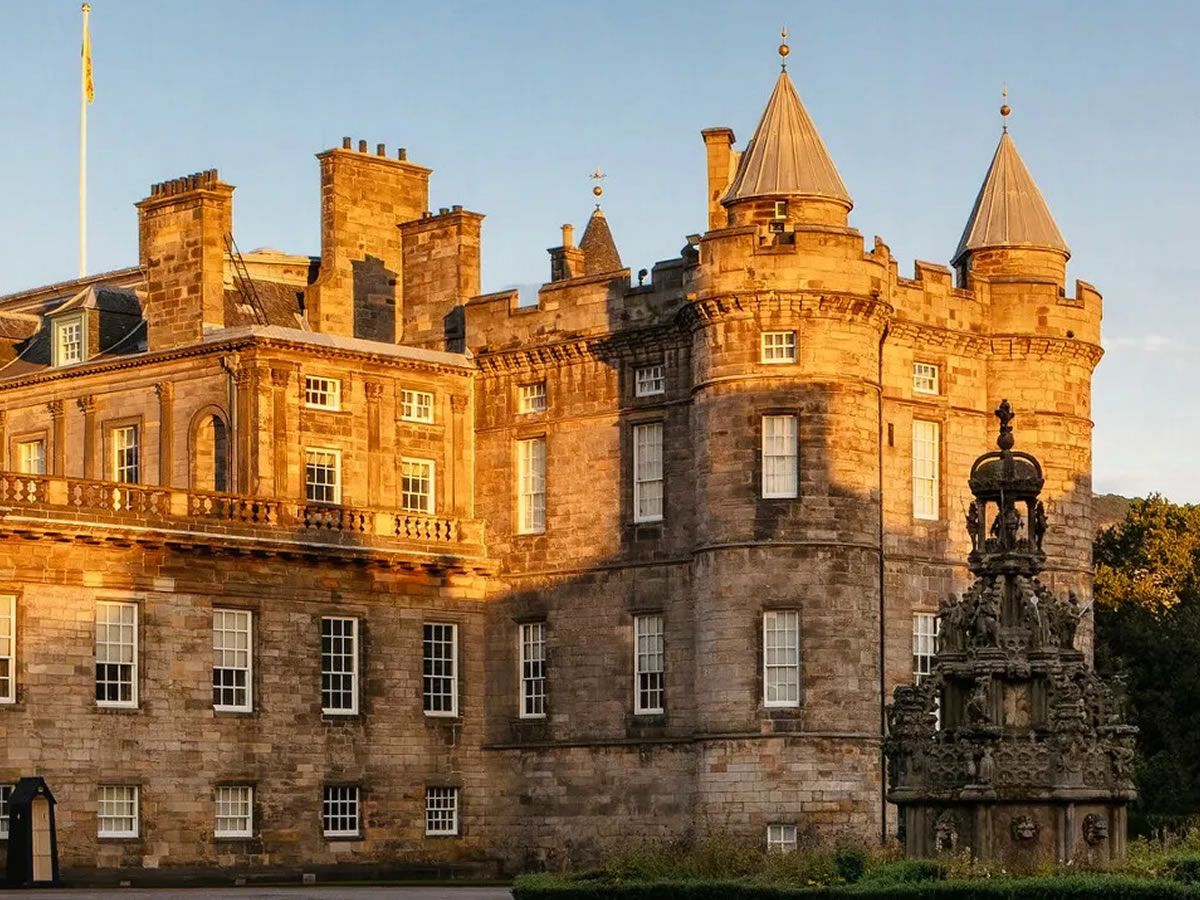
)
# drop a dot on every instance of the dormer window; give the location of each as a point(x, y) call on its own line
point(68, 340)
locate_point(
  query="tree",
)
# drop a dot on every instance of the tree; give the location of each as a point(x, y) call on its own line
point(1148, 634)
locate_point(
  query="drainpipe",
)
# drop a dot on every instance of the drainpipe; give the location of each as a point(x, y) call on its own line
point(883, 829)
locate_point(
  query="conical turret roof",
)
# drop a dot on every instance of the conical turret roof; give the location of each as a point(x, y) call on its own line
point(786, 157)
point(599, 249)
point(1010, 210)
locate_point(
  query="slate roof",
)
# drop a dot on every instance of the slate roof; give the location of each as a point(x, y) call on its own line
point(786, 157)
point(599, 250)
point(1010, 210)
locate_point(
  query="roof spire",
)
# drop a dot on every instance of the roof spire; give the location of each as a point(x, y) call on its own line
point(1010, 211)
point(786, 157)
point(784, 49)
point(1005, 109)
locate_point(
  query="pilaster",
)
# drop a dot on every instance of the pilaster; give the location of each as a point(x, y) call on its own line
point(244, 428)
point(166, 431)
point(280, 377)
point(458, 492)
point(374, 394)
point(58, 428)
point(87, 405)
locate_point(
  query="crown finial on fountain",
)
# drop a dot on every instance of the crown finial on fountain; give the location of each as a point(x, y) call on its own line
point(1004, 412)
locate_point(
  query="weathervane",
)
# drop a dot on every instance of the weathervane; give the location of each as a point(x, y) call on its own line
point(597, 190)
point(784, 50)
point(1005, 109)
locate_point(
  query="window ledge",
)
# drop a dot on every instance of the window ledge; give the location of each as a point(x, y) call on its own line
point(112, 709)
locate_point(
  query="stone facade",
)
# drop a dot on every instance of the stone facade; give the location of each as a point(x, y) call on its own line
point(214, 380)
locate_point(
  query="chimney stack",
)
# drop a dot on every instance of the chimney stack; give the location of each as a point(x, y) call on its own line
point(364, 196)
point(183, 227)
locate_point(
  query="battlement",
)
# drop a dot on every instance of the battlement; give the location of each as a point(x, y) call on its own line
point(588, 306)
point(197, 181)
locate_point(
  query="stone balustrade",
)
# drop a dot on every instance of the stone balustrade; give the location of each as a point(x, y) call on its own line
point(209, 513)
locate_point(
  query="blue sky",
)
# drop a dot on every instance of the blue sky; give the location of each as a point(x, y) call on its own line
point(513, 104)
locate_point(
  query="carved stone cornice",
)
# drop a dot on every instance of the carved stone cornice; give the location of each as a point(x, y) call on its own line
point(918, 334)
point(1046, 348)
point(605, 348)
point(699, 312)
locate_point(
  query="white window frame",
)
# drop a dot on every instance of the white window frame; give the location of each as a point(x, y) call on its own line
point(926, 379)
point(234, 617)
point(352, 673)
point(26, 457)
point(650, 381)
point(8, 648)
point(336, 456)
point(647, 479)
point(531, 397)
point(127, 440)
point(649, 664)
point(132, 702)
point(438, 800)
point(777, 347)
point(531, 485)
point(323, 392)
point(926, 469)
point(416, 406)
point(772, 487)
point(924, 644)
point(782, 837)
point(428, 505)
point(128, 792)
point(337, 800)
point(60, 325)
point(531, 654)
point(784, 622)
point(232, 800)
point(430, 698)
point(781, 209)
point(6, 791)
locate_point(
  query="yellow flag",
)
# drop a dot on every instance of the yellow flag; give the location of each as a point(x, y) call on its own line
point(89, 88)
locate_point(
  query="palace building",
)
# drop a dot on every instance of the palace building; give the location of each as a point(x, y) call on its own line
point(337, 565)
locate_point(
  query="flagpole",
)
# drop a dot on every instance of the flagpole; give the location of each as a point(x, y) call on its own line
point(84, 60)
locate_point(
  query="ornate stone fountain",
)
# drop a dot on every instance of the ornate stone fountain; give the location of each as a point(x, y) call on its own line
point(1013, 748)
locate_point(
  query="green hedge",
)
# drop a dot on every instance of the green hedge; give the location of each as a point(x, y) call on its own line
point(1184, 867)
point(1073, 887)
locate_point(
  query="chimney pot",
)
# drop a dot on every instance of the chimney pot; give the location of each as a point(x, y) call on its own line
point(380, 150)
point(362, 146)
point(442, 210)
point(457, 207)
point(568, 232)
point(402, 153)
point(345, 143)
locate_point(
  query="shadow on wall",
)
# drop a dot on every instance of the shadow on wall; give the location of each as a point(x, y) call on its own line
point(376, 308)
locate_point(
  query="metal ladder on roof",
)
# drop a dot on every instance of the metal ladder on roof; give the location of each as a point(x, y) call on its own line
point(245, 285)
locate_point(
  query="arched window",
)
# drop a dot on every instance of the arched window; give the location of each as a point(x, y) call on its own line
point(209, 451)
